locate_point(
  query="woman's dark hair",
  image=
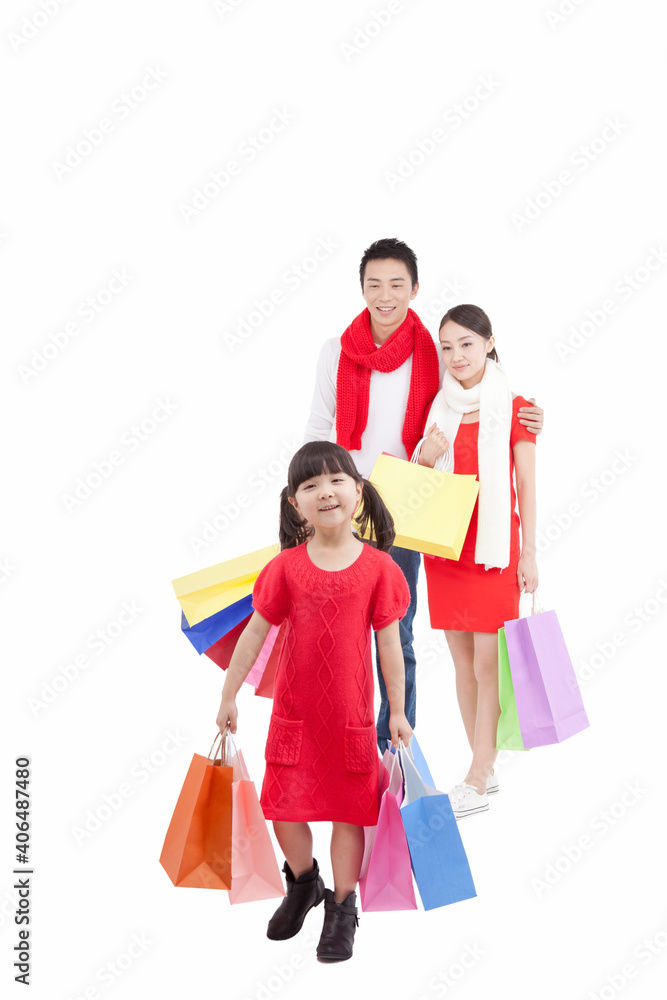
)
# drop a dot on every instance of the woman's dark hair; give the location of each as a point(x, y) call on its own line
point(315, 459)
point(472, 318)
point(390, 249)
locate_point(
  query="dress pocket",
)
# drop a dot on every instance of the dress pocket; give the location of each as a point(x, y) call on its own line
point(283, 745)
point(361, 752)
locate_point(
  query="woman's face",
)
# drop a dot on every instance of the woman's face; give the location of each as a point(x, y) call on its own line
point(464, 353)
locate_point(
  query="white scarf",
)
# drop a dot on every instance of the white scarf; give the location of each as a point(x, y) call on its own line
point(493, 398)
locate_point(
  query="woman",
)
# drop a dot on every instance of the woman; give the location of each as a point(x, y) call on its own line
point(474, 429)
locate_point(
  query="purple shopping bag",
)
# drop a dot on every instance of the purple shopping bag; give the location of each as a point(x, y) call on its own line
point(548, 699)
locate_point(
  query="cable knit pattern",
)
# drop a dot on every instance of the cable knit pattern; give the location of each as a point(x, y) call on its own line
point(322, 761)
point(359, 356)
point(284, 743)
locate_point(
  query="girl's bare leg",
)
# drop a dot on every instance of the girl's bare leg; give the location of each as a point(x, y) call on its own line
point(488, 709)
point(347, 851)
point(296, 842)
point(461, 646)
point(305, 890)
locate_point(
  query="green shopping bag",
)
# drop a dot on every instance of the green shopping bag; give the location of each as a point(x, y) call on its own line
point(509, 734)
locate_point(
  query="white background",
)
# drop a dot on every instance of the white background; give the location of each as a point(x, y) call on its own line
point(357, 99)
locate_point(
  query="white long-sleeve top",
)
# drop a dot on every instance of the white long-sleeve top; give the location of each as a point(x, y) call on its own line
point(387, 403)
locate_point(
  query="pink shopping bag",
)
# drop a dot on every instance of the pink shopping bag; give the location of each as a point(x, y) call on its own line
point(255, 872)
point(265, 687)
point(369, 831)
point(387, 882)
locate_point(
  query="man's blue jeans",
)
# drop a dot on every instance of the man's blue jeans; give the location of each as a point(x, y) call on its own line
point(409, 563)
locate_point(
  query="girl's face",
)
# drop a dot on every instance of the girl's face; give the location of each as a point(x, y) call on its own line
point(328, 500)
point(464, 353)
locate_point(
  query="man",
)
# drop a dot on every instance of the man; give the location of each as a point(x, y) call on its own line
point(372, 394)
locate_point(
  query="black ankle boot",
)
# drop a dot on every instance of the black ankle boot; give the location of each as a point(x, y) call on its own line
point(340, 922)
point(302, 894)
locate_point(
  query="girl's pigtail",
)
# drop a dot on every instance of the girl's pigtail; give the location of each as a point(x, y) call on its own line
point(372, 515)
point(293, 528)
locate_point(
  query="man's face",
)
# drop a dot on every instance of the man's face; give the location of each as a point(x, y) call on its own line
point(388, 292)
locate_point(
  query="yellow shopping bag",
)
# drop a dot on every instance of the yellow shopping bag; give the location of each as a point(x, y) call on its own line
point(209, 590)
point(431, 509)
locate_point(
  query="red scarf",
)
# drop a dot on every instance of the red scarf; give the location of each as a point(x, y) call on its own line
point(359, 356)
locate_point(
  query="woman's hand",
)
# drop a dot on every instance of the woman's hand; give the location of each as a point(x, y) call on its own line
point(527, 574)
point(399, 728)
point(228, 713)
point(435, 445)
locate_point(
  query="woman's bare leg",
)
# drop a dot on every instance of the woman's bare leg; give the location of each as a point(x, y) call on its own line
point(488, 709)
point(461, 646)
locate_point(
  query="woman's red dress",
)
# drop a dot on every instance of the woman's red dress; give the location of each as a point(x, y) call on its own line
point(462, 595)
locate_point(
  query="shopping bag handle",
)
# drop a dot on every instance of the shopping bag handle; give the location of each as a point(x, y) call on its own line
point(223, 749)
point(244, 771)
point(393, 763)
point(536, 607)
point(403, 748)
point(440, 463)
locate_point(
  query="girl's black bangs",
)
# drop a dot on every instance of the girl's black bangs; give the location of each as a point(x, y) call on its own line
point(317, 458)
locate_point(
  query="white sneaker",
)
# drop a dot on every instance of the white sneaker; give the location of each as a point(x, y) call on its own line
point(466, 800)
point(492, 787)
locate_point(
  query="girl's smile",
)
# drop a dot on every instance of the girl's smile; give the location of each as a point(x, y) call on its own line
point(327, 500)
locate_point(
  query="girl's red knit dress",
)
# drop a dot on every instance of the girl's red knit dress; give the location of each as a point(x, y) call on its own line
point(321, 752)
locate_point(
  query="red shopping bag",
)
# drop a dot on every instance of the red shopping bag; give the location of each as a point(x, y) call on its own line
point(255, 872)
point(221, 651)
point(198, 846)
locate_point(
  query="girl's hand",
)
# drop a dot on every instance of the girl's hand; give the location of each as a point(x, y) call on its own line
point(527, 574)
point(435, 445)
point(399, 728)
point(228, 713)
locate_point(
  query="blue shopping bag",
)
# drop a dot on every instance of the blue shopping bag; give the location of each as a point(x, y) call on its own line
point(210, 630)
point(420, 762)
point(438, 857)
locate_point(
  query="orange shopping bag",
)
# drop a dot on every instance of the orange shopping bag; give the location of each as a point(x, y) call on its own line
point(197, 850)
point(255, 872)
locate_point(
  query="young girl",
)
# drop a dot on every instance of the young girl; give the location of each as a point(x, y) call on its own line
point(321, 753)
point(474, 429)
